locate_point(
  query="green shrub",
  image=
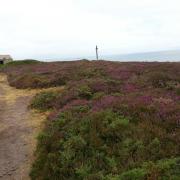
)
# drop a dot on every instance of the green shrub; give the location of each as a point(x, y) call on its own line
point(85, 92)
point(134, 174)
point(44, 100)
point(22, 62)
point(98, 95)
point(159, 79)
point(30, 81)
point(178, 91)
point(163, 169)
point(59, 81)
point(81, 109)
point(116, 121)
point(117, 94)
point(79, 145)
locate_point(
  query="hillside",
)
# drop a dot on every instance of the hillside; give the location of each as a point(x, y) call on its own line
point(111, 121)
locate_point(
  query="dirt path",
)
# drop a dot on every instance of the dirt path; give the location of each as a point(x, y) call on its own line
point(18, 129)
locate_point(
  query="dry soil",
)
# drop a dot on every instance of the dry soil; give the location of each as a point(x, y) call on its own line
point(19, 127)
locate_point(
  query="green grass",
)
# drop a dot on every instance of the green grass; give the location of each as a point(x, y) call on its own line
point(20, 62)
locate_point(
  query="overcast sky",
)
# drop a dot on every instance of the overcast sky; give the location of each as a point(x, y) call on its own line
point(71, 28)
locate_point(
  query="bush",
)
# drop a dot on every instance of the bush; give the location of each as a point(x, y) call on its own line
point(134, 174)
point(44, 100)
point(30, 81)
point(83, 145)
point(162, 169)
point(159, 79)
point(112, 121)
point(178, 91)
point(22, 62)
point(84, 92)
point(76, 143)
point(98, 95)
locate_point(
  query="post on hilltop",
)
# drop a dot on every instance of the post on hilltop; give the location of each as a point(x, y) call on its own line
point(97, 55)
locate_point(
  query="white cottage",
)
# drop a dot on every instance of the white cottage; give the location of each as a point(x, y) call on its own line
point(5, 59)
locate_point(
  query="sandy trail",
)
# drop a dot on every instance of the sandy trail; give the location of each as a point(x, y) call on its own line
point(19, 127)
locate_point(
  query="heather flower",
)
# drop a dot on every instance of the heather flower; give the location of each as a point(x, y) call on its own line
point(74, 103)
point(105, 102)
point(129, 88)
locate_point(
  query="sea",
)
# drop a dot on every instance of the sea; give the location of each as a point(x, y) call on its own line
point(147, 56)
point(160, 56)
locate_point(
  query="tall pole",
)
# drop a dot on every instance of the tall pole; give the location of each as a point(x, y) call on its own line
point(97, 55)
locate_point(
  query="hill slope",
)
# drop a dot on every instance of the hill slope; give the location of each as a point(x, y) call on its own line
point(112, 121)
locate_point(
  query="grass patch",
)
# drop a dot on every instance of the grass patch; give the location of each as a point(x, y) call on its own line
point(21, 62)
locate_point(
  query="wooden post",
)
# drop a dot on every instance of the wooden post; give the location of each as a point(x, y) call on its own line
point(97, 55)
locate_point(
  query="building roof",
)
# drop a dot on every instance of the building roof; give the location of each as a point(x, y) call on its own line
point(5, 57)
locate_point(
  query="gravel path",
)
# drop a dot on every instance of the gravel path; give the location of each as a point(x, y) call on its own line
point(18, 128)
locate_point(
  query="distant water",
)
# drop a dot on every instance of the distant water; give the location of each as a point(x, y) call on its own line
point(149, 56)
point(173, 56)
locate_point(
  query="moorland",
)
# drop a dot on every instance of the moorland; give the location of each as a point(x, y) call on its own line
point(111, 120)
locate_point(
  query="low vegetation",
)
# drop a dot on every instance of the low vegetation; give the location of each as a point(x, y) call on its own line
point(22, 62)
point(112, 121)
point(44, 101)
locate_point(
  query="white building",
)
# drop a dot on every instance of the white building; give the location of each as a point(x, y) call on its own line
point(5, 59)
